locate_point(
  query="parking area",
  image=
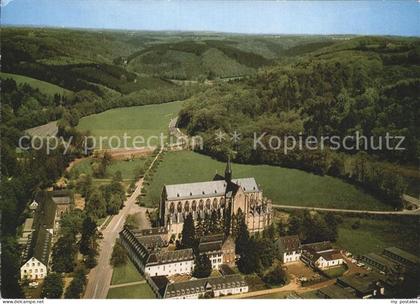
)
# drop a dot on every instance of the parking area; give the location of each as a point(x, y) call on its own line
point(299, 270)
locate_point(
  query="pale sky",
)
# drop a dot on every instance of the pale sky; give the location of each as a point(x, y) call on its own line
point(275, 17)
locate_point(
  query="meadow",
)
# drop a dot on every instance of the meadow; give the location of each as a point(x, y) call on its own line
point(126, 167)
point(373, 235)
point(138, 291)
point(283, 186)
point(145, 121)
point(44, 87)
point(127, 273)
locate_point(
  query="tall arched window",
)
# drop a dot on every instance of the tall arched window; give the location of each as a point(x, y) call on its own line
point(201, 205)
point(172, 207)
point(194, 206)
point(215, 203)
point(208, 203)
point(222, 203)
point(187, 206)
point(179, 207)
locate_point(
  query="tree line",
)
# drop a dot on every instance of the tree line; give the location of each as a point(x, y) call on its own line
point(336, 94)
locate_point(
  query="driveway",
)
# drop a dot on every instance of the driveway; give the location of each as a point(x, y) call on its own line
point(99, 278)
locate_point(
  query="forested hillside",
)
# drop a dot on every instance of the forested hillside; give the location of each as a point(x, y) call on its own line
point(368, 85)
point(285, 85)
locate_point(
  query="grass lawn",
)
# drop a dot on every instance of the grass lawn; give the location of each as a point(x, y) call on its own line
point(126, 274)
point(127, 168)
point(138, 291)
point(145, 121)
point(335, 272)
point(282, 185)
point(375, 235)
point(44, 87)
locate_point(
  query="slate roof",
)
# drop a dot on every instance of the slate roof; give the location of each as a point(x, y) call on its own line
point(212, 238)
point(319, 246)
point(151, 241)
point(363, 283)
point(161, 282)
point(288, 243)
point(39, 247)
point(210, 246)
point(226, 270)
point(209, 189)
point(166, 257)
point(150, 231)
point(212, 242)
point(202, 285)
point(337, 292)
point(61, 197)
point(390, 265)
point(404, 254)
point(39, 243)
point(331, 254)
point(28, 226)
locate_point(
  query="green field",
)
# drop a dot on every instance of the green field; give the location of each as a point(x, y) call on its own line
point(126, 167)
point(127, 273)
point(375, 235)
point(45, 87)
point(335, 272)
point(138, 291)
point(144, 121)
point(283, 186)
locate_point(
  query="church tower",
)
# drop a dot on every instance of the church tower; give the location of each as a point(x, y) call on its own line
point(228, 171)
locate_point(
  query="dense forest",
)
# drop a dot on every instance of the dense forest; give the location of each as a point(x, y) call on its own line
point(280, 85)
point(367, 85)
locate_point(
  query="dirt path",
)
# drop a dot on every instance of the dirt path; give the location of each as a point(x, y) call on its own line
point(128, 284)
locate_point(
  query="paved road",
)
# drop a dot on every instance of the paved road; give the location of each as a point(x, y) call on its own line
point(99, 278)
point(403, 212)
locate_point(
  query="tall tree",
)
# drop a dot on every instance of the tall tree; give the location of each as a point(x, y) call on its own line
point(75, 289)
point(199, 227)
point(119, 255)
point(63, 254)
point(188, 232)
point(242, 237)
point(53, 286)
point(96, 205)
point(202, 267)
point(227, 221)
point(88, 240)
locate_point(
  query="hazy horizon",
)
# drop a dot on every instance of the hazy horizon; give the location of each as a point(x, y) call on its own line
point(396, 18)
